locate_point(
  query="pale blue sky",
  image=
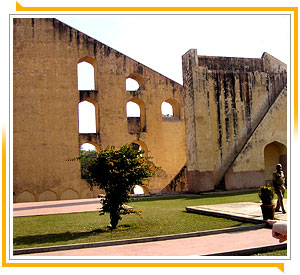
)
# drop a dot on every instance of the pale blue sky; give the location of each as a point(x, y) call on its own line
point(159, 41)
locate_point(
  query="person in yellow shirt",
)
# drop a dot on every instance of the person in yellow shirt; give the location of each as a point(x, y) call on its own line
point(279, 187)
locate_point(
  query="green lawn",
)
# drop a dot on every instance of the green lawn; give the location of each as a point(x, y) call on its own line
point(161, 216)
point(282, 252)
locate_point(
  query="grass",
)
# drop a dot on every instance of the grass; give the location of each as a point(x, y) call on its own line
point(282, 252)
point(161, 216)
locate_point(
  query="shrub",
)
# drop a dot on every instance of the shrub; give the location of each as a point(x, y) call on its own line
point(117, 171)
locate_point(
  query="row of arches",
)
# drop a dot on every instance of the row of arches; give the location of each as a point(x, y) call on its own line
point(135, 108)
point(93, 147)
point(87, 71)
point(48, 195)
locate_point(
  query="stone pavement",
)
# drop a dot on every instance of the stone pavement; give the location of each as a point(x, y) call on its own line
point(195, 246)
point(223, 242)
point(247, 210)
point(55, 207)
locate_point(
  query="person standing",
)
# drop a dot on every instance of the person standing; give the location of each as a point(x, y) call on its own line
point(279, 187)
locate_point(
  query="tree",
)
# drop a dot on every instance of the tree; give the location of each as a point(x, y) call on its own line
point(117, 171)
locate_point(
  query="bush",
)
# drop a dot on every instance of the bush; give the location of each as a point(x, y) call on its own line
point(85, 156)
point(117, 171)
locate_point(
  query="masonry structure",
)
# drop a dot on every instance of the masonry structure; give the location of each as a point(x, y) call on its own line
point(227, 130)
point(235, 114)
point(46, 53)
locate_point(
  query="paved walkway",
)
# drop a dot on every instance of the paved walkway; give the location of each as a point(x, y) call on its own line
point(55, 207)
point(192, 246)
point(195, 246)
point(249, 210)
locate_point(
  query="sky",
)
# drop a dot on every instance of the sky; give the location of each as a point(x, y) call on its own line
point(159, 41)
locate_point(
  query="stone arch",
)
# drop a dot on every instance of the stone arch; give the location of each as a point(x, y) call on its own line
point(142, 146)
point(97, 147)
point(91, 61)
point(87, 193)
point(26, 196)
point(87, 152)
point(274, 152)
point(175, 109)
point(145, 190)
point(48, 195)
point(139, 80)
point(93, 116)
point(137, 124)
point(133, 109)
point(69, 194)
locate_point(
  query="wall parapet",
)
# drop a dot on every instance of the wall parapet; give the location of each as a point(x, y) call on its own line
point(231, 63)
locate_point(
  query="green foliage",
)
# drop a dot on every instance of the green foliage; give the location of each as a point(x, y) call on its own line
point(85, 155)
point(266, 194)
point(117, 171)
point(281, 252)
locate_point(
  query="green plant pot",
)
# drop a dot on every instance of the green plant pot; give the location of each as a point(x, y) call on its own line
point(268, 211)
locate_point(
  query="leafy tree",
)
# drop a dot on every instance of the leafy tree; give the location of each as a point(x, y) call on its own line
point(117, 171)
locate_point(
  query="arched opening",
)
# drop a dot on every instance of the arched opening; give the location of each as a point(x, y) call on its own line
point(133, 109)
point(86, 74)
point(139, 145)
point(274, 153)
point(138, 190)
point(136, 116)
point(134, 82)
point(132, 85)
point(87, 117)
point(166, 109)
point(89, 147)
point(170, 110)
point(88, 150)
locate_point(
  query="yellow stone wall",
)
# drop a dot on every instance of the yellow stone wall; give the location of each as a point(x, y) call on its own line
point(225, 100)
point(267, 146)
point(45, 110)
point(225, 128)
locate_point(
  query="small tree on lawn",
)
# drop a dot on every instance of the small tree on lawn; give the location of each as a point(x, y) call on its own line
point(117, 171)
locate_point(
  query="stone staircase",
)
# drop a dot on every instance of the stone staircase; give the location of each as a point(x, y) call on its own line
point(178, 183)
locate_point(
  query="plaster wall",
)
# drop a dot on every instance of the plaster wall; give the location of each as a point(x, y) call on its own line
point(249, 168)
point(45, 110)
point(225, 100)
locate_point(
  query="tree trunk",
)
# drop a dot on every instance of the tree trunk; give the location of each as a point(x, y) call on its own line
point(114, 220)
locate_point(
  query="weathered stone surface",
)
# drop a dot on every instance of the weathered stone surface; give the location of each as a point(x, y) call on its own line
point(46, 97)
point(226, 99)
point(228, 124)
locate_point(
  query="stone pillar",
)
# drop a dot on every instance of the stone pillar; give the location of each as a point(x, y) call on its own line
point(197, 122)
